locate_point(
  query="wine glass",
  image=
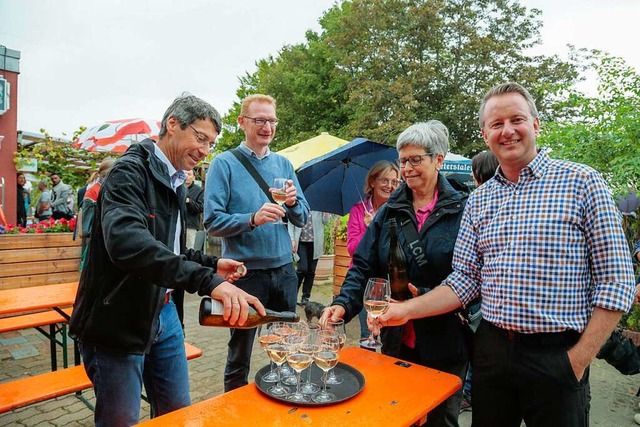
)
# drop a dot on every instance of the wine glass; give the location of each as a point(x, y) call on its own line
point(294, 333)
point(283, 330)
point(299, 361)
point(310, 347)
point(339, 327)
point(376, 301)
point(266, 336)
point(278, 354)
point(279, 194)
point(326, 357)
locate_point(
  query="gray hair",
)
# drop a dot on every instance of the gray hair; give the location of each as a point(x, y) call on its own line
point(503, 89)
point(433, 136)
point(187, 109)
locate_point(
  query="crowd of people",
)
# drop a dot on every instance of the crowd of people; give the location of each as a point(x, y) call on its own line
point(537, 252)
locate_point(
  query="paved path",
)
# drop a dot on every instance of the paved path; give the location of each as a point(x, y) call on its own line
point(27, 353)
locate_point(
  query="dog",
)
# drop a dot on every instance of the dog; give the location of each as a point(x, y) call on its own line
point(313, 309)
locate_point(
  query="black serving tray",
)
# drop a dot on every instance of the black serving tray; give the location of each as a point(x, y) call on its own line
point(352, 384)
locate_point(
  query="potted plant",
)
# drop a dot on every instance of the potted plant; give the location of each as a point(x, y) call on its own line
point(342, 259)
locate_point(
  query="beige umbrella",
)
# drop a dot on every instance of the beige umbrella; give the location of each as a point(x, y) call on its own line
point(312, 148)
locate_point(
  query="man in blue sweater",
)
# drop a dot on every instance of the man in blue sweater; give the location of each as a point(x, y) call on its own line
point(239, 212)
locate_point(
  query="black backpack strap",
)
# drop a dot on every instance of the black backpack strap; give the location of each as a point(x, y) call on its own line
point(413, 241)
point(254, 173)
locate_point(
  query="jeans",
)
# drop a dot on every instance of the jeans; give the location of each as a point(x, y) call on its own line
point(276, 288)
point(306, 268)
point(118, 376)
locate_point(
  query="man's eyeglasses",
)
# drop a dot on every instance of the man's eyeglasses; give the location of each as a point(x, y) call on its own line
point(261, 122)
point(387, 181)
point(413, 160)
point(202, 139)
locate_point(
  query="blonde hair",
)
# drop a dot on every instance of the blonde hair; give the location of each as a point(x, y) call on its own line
point(256, 97)
point(379, 168)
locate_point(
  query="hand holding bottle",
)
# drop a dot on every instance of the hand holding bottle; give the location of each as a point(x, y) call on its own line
point(236, 303)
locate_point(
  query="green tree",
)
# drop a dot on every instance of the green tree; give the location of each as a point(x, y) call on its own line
point(379, 65)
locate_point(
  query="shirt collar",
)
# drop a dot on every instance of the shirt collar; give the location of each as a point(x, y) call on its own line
point(536, 168)
point(244, 147)
point(429, 208)
point(176, 176)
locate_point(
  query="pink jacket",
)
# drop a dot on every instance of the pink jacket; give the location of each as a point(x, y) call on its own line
point(356, 226)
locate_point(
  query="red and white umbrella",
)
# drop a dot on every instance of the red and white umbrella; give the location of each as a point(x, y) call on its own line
point(117, 135)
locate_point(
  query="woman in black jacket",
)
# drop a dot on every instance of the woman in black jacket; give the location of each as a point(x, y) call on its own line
point(433, 208)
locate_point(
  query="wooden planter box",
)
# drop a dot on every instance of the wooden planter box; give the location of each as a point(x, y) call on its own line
point(38, 259)
point(341, 262)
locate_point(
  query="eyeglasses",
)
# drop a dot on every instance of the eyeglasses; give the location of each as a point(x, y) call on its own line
point(413, 160)
point(261, 122)
point(387, 181)
point(202, 139)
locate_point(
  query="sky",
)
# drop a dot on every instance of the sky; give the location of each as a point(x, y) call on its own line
point(84, 62)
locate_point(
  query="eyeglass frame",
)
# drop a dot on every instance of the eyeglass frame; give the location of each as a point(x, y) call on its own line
point(272, 122)
point(402, 162)
point(394, 182)
point(202, 138)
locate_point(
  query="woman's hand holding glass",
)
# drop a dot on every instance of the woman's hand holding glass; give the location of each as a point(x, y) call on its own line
point(377, 296)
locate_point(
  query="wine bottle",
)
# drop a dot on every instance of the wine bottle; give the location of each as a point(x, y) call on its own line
point(397, 265)
point(211, 315)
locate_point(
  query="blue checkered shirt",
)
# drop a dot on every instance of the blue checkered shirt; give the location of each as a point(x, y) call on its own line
point(543, 252)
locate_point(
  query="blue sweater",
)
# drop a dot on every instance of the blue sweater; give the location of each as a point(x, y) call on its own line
point(232, 195)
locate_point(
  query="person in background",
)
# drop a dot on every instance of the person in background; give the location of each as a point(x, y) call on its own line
point(195, 207)
point(427, 203)
point(88, 204)
point(543, 245)
point(483, 167)
point(237, 210)
point(382, 178)
point(308, 244)
point(21, 213)
point(125, 317)
point(61, 198)
point(43, 207)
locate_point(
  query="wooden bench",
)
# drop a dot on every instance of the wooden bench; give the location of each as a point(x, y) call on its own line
point(33, 320)
point(25, 391)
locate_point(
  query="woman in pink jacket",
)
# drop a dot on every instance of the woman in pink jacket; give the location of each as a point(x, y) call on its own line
point(381, 180)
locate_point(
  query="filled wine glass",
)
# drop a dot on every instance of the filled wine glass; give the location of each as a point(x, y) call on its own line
point(266, 336)
point(283, 330)
point(298, 361)
point(278, 354)
point(279, 194)
point(339, 327)
point(295, 333)
point(310, 347)
point(377, 295)
point(326, 357)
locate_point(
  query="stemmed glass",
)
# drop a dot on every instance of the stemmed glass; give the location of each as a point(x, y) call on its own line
point(326, 357)
point(266, 336)
point(299, 361)
point(278, 354)
point(279, 194)
point(337, 326)
point(377, 295)
point(310, 347)
point(294, 333)
point(283, 330)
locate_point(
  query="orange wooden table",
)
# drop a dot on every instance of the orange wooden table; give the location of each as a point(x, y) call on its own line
point(392, 396)
point(17, 302)
point(55, 297)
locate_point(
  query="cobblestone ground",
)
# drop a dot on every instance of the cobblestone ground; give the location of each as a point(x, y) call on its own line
point(27, 353)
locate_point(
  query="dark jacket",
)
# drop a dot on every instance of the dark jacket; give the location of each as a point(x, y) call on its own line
point(439, 338)
point(21, 212)
point(195, 206)
point(131, 261)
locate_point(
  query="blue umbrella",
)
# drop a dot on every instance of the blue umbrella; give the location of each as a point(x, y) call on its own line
point(333, 182)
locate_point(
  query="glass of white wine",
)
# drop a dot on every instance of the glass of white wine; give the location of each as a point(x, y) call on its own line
point(279, 194)
point(338, 327)
point(326, 357)
point(278, 354)
point(266, 336)
point(299, 361)
point(377, 295)
point(310, 347)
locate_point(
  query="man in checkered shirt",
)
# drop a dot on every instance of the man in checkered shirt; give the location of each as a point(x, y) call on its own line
point(542, 243)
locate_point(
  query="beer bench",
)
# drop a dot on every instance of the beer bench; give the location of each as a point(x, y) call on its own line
point(38, 388)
